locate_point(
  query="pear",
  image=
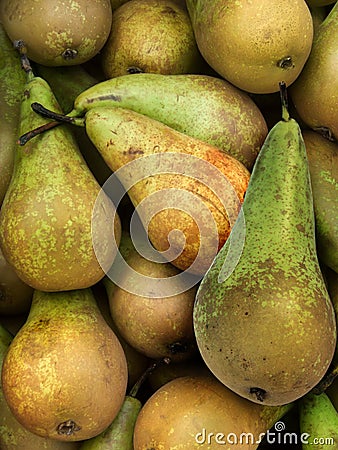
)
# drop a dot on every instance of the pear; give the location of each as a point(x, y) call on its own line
point(253, 44)
point(14, 436)
point(48, 221)
point(318, 421)
point(176, 182)
point(164, 319)
point(153, 36)
point(201, 106)
point(11, 87)
point(200, 412)
point(263, 318)
point(323, 163)
point(15, 295)
point(58, 34)
point(65, 373)
point(315, 93)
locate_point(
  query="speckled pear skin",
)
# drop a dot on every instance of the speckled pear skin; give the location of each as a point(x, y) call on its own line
point(264, 322)
point(65, 373)
point(46, 227)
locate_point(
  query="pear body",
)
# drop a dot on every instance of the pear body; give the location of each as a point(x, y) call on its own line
point(168, 180)
point(315, 93)
point(153, 36)
point(65, 374)
point(323, 164)
point(12, 84)
point(199, 412)
point(263, 319)
point(253, 44)
point(200, 106)
point(48, 220)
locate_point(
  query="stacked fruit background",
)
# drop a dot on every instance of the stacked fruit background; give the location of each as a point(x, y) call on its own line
point(168, 224)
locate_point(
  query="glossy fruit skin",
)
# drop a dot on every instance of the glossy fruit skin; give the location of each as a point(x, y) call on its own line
point(58, 33)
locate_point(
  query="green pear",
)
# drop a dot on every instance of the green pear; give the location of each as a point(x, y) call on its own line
point(11, 87)
point(13, 436)
point(54, 211)
point(65, 373)
point(200, 412)
point(176, 182)
point(200, 106)
point(318, 421)
point(254, 45)
point(152, 36)
point(323, 163)
point(315, 92)
point(263, 318)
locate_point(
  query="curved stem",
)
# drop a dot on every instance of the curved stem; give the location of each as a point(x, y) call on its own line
point(39, 130)
point(134, 390)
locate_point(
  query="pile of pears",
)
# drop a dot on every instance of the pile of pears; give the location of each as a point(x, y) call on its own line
point(168, 224)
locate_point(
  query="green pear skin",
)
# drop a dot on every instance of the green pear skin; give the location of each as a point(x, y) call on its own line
point(200, 106)
point(263, 319)
point(52, 214)
point(318, 419)
point(123, 136)
point(119, 434)
point(12, 84)
point(323, 163)
point(315, 92)
point(65, 373)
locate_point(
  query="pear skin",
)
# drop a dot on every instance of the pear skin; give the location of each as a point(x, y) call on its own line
point(263, 318)
point(199, 412)
point(65, 374)
point(174, 198)
point(12, 84)
point(201, 106)
point(54, 210)
point(253, 45)
point(323, 164)
point(315, 92)
point(152, 36)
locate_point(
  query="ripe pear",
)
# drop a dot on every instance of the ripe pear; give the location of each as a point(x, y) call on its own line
point(199, 412)
point(323, 164)
point(176, 182)
point(153, 36)
point(15, 295)
point(13, 436)
point(253, 44)
point(11, 87)
point(315, 93)
point(163, 327)
point(58, 34)
point(48, 222)
point(200, 106)
point(263, 318)
point(65, 373)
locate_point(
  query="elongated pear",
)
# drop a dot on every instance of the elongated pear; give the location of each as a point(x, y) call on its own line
point(65, 374)
point(315, 92)
point(187, 192)
point(201, 106)
point(11, 87)
point(47, 223)
point(263, 318)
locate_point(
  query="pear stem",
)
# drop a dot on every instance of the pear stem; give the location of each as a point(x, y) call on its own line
point(25, 64)
point(134, 390)
point(284, 101)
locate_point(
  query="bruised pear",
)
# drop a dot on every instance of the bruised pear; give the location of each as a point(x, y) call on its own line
point(58, 33)
point(65, 374)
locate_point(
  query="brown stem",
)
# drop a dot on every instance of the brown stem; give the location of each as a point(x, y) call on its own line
point(39, 130)
point(134, 390)
point(44, 112)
